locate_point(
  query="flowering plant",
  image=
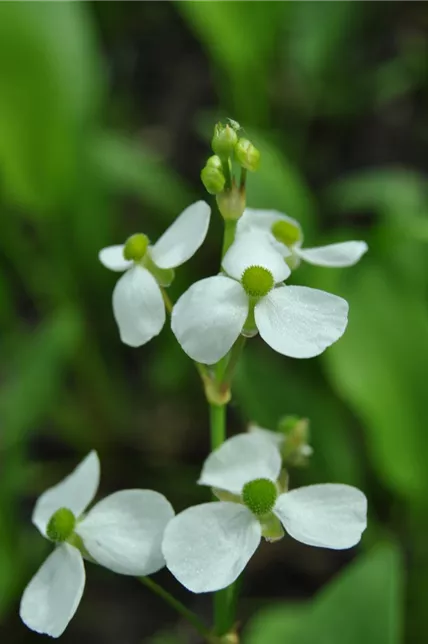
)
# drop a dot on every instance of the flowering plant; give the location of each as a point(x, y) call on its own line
point(207, 547)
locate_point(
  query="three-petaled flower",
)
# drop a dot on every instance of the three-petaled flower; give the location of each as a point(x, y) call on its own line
point(207, 546)
point(296, 321)
point(122, 532)
point(138, 305)
point(285, 235)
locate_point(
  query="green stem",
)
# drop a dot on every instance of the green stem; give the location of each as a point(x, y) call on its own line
point(227, 174)
point(229, 235)
point(167, 301)
point(224, 602)
point(217, 425)
point(235, 354)
point(179, 607)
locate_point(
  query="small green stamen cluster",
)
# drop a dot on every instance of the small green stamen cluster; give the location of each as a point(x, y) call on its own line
point(136, 247)
point(61, 525)
point(259, 496)
point(257, 281)
point(285, 232)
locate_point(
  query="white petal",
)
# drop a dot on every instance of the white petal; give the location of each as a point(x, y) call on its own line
point(112, 258)
point(138, 307)
point(328, 516)
point(263, 220)
point(75, 492)
point(124, 531)
point(53, 595)
point(276, 438)
point(252, 250)
point(208, 546)
point(300, 322)
point(334, 255)
point(208, 318)
point(183, 238)
point(240, 459)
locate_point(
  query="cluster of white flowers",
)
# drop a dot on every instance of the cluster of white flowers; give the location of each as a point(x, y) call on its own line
point(249, 296)
point(206, 547)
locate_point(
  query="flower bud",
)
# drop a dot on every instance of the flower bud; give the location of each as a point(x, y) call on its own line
point(135, 247)
point(231, 203)
point(224, 140)
point(296, 449)
point(61, 525)
point(247, 155)
point(212, 176)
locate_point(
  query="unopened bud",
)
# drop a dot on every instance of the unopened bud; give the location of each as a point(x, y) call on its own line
point(247, 155)
point(231, 203)
point(212, 176)
point(296, 449)
point(224, 140)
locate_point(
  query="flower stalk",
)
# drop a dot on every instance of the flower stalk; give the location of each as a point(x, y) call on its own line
point(180, 608)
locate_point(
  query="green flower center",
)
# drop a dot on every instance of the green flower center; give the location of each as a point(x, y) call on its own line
point(136, 247)
point(259, 496)
point(285, 232)
point(257, 281)
point(61, 525)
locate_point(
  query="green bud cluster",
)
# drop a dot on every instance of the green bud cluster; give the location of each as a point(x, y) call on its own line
point(217, 175)
point(259, 496)
point(257, 281)
point(61, 525)
point(136, 247)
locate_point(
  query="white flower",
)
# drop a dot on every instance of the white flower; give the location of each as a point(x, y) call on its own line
point(285, 234)
point(206, 547)
point(138, 305)
point(122, 532)
point(296, 321)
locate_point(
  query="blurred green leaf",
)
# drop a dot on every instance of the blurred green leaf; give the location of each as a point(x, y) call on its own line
point(280, 185)
point(49, 90)
point(129, 167)
point(394, 192)
point(241, 40)
point(379, 368)
point(363, 604)
point(36, 375)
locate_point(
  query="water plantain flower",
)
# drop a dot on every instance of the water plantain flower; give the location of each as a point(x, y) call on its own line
point(138, 304)
point(296, 321)
point(207, 546)
point(122, 532)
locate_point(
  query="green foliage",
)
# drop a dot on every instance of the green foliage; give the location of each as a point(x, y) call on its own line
point(363, 604)
point(49, 90)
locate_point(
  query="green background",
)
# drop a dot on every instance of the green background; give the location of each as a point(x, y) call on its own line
point(106, 111)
